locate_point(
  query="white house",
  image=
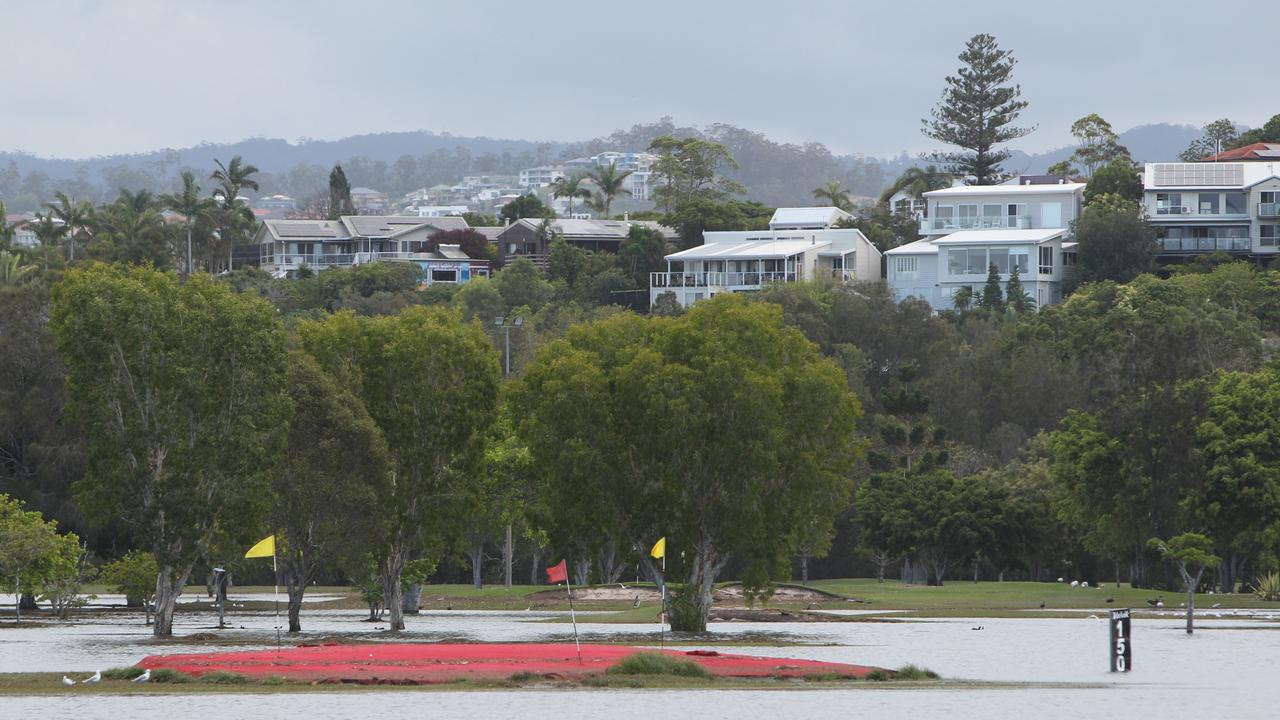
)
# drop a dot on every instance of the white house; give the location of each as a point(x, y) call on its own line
point(540, 176)
point(1205, 207)
point(967, 229)
point(800, 244)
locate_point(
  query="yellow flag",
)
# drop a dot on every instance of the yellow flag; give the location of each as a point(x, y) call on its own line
point(265, 548)
point(659, 549)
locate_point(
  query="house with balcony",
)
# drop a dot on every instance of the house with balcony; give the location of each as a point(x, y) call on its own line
point(1205, 207)
point(800, 244)
point(531, 238)
point(967, 229)
point(286, 246)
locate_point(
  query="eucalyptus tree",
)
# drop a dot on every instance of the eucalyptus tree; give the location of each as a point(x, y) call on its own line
point(430, 383)
point(179, 392)
point(722, 430)
point(610, 183)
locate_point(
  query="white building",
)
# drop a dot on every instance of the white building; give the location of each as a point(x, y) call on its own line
point(640, 164)
point(540, 176)
point(800, 244)
point(967, 229)
point(1205, 207)
point(435, 211)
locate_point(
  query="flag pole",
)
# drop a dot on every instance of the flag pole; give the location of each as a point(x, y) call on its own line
point(573, 617)
point(662, 615)
point(275, 591)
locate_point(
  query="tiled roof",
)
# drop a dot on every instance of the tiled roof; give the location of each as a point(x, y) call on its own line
point(1255, 152)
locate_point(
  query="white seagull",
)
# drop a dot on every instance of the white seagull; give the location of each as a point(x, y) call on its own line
point(144, 677)
point(95, 677)
point(67, 681)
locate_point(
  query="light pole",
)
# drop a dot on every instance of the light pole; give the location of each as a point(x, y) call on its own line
point(506, 326)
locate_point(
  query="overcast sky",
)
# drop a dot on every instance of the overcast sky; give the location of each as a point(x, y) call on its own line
point(90, 77)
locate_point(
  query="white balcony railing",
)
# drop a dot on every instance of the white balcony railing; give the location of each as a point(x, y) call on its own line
point(718, 279)
point(1268, 209)
point(291, 261)
point(981, 222)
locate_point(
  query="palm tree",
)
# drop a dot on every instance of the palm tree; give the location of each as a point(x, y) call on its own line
point(917, 182)
point(48, 233)
point(75, 216)
point(608, 181)
point(834, 195)
point(232, 178)
point(190, 205)
point(232, 219)
point(134, 228)
point(570, 187)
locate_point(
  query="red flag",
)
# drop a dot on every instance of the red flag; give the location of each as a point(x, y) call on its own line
point(558, 573)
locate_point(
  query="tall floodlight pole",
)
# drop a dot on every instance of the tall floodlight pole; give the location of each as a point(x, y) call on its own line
point(506, 326)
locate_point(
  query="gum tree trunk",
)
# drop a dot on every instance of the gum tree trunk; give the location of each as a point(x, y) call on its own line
point(610, 568)
point(169, 584)
point(296, 591)
point(392, 591)
point(698, 594)
point(477, 565)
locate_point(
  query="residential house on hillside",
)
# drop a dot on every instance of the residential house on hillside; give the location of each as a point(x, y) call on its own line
point(541, 176)
point(800, 244)
point(1257, 152)
point(528, 238)
point(368, 201)
point(1205, 207)
point(285, 246)
point(640, 164)
point(970, 228)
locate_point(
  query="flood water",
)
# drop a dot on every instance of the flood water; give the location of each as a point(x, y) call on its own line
point(1226, 670)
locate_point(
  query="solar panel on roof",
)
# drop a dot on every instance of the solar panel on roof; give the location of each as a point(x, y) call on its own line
point(304, 230)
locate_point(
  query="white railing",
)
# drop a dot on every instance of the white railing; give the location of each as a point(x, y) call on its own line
point(718, 279)
point(980, 222)
point(1268, 209)
point(326, 260)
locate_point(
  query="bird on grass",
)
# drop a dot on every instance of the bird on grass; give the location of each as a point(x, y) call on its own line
point(636, 603)
point(67, 681)
point(1216, 605)
point(144, 677)
point(1155, 602)
point(1041, 604)
point(1111, 600)
point(95, 677)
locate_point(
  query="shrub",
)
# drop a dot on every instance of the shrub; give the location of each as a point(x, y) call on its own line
point(1267, 587)
point(128, 672)
point(165, 675)
point(524, 677)
point(911, 672)
point(223, 678)
point(658, 664)
point(878, 675)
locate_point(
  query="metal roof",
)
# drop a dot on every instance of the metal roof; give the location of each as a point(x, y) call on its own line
point(759, 249)
point(968, 190)
point(807, 217)
point(919, 247)
point(999, 237)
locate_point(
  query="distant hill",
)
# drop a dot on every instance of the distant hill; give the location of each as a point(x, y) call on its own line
point(774, 173)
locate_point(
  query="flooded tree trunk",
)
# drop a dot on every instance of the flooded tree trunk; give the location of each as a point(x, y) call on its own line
point(392, 567)
point(296, 591)
point(650, 568)
point(169, 584)
point(535, 577)
point(698, 594)
point(804, 568)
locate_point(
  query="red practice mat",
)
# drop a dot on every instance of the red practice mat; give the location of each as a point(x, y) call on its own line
point(437, 663)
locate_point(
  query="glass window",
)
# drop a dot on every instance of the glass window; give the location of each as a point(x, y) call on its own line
point(1270, 235)
point(968, 215)
point(1000, 258)
point(1237, 203)
point(1022, 258)
point(1208, 203)
point(1168, 203)
point(1270, 196)
point(976, 263)
point(991, 216)
point(1016, 213)
point(1046, 261)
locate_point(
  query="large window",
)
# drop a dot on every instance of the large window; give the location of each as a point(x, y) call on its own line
point(1227, 238)
point(991, 216)
point(1046, 260)
point(977, 261)
point(1237, 203)
point(1209, 203)
point(1017, 213)
point(906, 267)
point(1168, 203)
point(968, 215)
point(1270, 235)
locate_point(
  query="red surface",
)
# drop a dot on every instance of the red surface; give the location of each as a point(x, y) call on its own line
point(437, 663)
